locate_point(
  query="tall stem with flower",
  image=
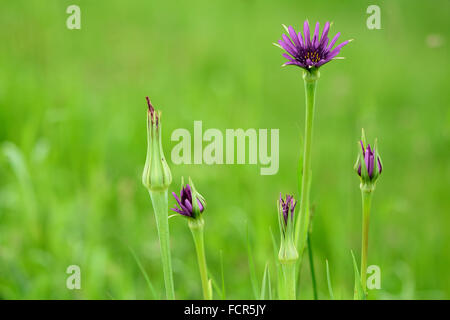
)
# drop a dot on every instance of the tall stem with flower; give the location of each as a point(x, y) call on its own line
point(308, 54)
point(369, 167)
point(191, 206)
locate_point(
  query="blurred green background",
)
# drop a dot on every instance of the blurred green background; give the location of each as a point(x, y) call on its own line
point(73, 142)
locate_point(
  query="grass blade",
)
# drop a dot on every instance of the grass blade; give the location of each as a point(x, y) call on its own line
point(144, 273)
point(277, 264)
point(222, 276)
point(251, 265)
point(330, 288)
point(359, 292)
point(264, 283)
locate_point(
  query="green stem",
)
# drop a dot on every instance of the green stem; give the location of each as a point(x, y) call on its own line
point(196, 226)
point(159, 200)
point(302, 224)
point(366, 202)
point(289, 279)
point(311, 267)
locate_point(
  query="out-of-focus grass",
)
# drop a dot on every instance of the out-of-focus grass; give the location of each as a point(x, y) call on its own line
point(72, 134)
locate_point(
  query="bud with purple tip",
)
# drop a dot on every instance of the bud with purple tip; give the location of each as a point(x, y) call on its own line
point(190, 203)
point(368, 166)
point(286, 210)
point(370, 169)
point(288, 254)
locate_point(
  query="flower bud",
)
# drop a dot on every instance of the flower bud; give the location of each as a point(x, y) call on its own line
point(370, 169)
point(286, 209)
point(191, 203)
point(156, 175)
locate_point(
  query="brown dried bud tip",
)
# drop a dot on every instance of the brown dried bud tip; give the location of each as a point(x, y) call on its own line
point(152, 111)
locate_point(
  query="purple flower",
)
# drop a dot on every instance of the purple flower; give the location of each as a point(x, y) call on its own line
point(369, 159)
point(185, 202)
point(287, 206)
point(309, 53)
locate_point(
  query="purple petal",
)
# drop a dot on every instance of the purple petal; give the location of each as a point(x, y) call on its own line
point(324, 44)
point(176, 198)
point(200, 205)
point(288, 41)
point(292, 61)
point(176, 210)
point(186, 210)
point(324, 36)
point(379, 164)
point(371, 163)
point(300, 38)
point(287, 48)
point(307, 34)
point(295, 63)
point(322, 62)
point(188, 205)
point(333, 54)
point(294, 37)
point(188, 192)
point(333, 41)
point(288, 57)
point(315, 40)
point(336, 50)
point(367, 159)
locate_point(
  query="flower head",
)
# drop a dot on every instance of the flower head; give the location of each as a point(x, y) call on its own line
point(309, 53)
point(369, 159)
point(369, 169)
point(156, 175)
point(187, 206)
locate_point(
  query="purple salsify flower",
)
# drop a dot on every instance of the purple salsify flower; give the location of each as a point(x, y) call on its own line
point(369, 159)
point(287, 206)
point(185, 202)
point(308, 53)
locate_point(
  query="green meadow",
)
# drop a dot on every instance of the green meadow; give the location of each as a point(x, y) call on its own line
point(73, 144)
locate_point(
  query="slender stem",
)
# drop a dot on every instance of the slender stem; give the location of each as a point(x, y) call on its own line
point(311, 266)
point(159, 200)
point(301, 228)
point(289, 279)
point(366, 202)
point(196, 226)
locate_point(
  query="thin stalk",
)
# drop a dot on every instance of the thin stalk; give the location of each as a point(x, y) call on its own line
point(302, 225)
point(159, 200)
point(196, 226)
point(366, 202)
point(311, 267)
point(289, 279)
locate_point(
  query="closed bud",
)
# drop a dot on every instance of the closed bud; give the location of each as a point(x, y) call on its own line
point(368, 164)
point(286, 209)
point(156, 175)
